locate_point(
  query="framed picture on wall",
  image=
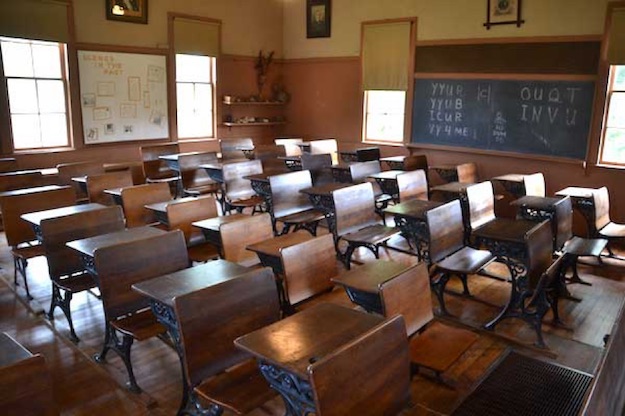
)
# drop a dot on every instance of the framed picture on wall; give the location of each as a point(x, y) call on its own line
point(503, 12)
point(318, 18)
point(132, 11)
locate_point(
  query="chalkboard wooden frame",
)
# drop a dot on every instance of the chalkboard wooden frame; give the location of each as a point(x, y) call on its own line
point(525, 154)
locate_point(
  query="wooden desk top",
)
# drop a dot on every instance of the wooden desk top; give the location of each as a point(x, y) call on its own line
point(536, 202)
point(511, 177)
point(212, 166)
point(165, 288)
point(114, 191)
point(88, 246)
point(34, 190)
point(393, 159)
point(370, 276)
point(11, 351)
point(294, 342)
point(387, 174)
point(576, 192)
point(414, 208)
point(290, 158)
point(37, 217)
point(176, 156)
point(162, 206)
point(325, 189)
point(214, 224)
point(340, 166)
point(273, 246)
point(444, 167)
point(505, 229)
point(80, 179)
point(261, 177)
point(452, 187)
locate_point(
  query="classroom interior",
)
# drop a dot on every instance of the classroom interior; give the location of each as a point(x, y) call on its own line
point(558, 39)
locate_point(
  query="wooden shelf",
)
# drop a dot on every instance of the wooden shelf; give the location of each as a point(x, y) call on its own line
point(254, 103)
point(269, 123)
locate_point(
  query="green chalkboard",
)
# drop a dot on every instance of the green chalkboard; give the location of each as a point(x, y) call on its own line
point(550, 118)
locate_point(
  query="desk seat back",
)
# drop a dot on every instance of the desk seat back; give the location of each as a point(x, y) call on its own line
point(67, 171)
point(354, 208)
point(308, 268)
point(467, 173)
point(285, 192)
point(19, 231)
point(8, 164)
point(324, 146)
point(153, 166)
point(192, 176)
point(446, 230)
point(563, 222)
point(236, 186)
point(211, 319)
point(63, 260)
point(480, 204)
point(368, 154)
point(180, 215)
point(268, 155)
point(97, 184)
point(534, 184)
point(290, 145)
point(368, 376)
point(318, 165)
point(539, 245)
point(20, 180)
point(135, 198)
point(412, 185)
point(416, 162)
point(120, 266)
point(237, 235)
point(408, 294)
point(359, 171)
point(602, 207)
point(229, 147)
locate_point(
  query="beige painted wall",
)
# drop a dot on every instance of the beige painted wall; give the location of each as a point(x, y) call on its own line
point(438, 19)
point(248, 25)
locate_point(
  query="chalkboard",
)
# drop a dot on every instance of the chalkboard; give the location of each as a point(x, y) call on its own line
point(123, 96)
point(549, 118)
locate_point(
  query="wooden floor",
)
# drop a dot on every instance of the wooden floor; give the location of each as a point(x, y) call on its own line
point(83, 387)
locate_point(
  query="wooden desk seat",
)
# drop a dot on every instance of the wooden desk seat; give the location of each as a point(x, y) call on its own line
point(126, 311)
point(19, 234)
point(237, 235)
point(97, 184)
point(607, 229)
point(135, 198)
point(349, 380)
point(448, 253)
point(67, 171)
point(246, 303)
point(290, 206)
point(25, 381)
point(182, 214)
point(356, 221)
point(195, 180)
point(238, 191)
point(65, 267)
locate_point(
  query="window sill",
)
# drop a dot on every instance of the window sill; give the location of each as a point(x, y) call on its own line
point(608, 166)
point(384, 143)
point(44, 150)
point(197, 139)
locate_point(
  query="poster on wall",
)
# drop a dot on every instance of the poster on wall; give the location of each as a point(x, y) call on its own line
point(123, 96)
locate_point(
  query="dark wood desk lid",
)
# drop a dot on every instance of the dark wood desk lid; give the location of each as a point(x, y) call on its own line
point(89, 245)
point(370, 276)
point(38, 217)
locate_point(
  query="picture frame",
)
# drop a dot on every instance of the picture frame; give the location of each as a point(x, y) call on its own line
point(503, 12)
point(318, 18)
point(131, 11)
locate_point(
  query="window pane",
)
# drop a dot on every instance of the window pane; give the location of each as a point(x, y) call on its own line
point(185, 97)
point(193, 68)
point(614, 146)
point(53, 130)
point(22, 96)
point(619, 78)
point(385, 127)
point(17, 59)
point(26, 131)
point(385, 115)
point(203, 97)
point(51, 96)
point(386, 102)
point(194, 125)
point(46, 61)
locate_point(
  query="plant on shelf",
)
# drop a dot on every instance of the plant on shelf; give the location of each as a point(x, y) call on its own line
point(263, 62)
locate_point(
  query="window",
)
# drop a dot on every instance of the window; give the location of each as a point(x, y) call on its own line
point(195, 89)
point(36, 83)
point(613, 148)
point(384, 116)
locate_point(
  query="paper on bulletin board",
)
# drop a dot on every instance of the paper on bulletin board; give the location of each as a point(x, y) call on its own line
point(123, 96)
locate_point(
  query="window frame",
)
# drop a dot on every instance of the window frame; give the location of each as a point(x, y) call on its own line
point(606, 112)
point(64, 65)
point(213, 84)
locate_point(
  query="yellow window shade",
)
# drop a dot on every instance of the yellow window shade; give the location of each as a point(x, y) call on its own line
point(616, 39)
point(385, 55)
point(35, 19)
point(196, 37)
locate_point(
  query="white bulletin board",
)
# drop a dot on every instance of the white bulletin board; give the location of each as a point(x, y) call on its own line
point(123, 96)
